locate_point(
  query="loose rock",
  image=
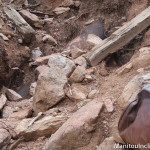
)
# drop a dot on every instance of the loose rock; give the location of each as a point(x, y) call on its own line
point(61, 62)
point(40, 61)
point(32, 88)
point(77, 130)
point(49, 39)
point(50, 89)
point(12, 95)
point(61, 10)
point(76, 94)
point(78, 75)
point(4, 138)
point(76, 52)
point(43, 127)
point(92, 94)
point(77, 3)
point(67, 3)
point(36, 53)
point(22, 114)
point(4, 37)
point(32, 19)
point(109, 104)
point(3, 100)
point(81, 61)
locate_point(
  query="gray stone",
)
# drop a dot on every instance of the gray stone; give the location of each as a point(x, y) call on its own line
point(50, 89)
point(61, 62)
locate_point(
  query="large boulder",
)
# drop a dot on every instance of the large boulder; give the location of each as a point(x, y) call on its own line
point(50, 89)
point(61, 62)
point(77, 131)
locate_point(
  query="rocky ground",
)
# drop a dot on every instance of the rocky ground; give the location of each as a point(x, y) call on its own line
point(50, 98)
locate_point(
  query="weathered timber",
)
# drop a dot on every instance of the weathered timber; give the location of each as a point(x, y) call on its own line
point(119, 38)
point(22, 26)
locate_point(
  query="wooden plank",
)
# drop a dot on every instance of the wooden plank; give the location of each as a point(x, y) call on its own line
point(119, 38)
point(22, 26)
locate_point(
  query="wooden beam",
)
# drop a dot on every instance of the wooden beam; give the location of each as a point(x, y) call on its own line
point(119, 38)
point(22, 26)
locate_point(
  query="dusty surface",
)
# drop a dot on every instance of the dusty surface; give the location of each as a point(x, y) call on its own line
point(64, 28)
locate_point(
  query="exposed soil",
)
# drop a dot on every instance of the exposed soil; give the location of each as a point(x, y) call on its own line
point(109, 15)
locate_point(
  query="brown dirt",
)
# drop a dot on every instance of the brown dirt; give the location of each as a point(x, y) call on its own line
point(64, 28)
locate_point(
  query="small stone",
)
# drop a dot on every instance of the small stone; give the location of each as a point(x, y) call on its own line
point(77, 4)
point(4, 37)
point(81, 61)
point(93, 40)
point(32, 88)
point(78, 75)
point(12, 95)
point(61, 62)
point(48, 20)
point(3, 100)
point(91, 71)
point(22, 114)
point(125, 69)
point(92, 94)
point(27, 48)
point(49, 39)
point(88, 78)
point(36, 53)
point(61, 10)
point(66, 53)
point(76, 52)
point(76, 94)
point(141, 70)
point(32, 19)
point(89, 22)
point(20, 41)
point(67, 3)
point(103, 71)
point(40, 61)
point(109, 105)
